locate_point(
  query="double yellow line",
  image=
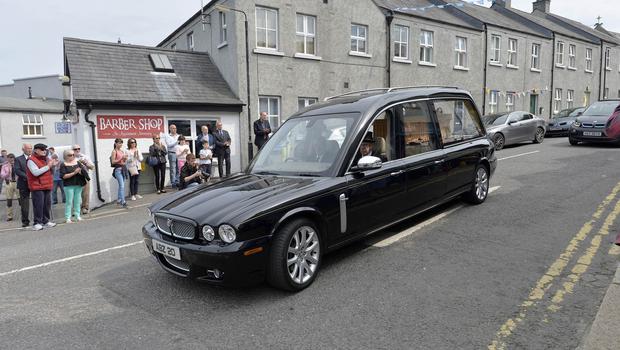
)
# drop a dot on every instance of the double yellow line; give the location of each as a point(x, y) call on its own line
point(546, 281)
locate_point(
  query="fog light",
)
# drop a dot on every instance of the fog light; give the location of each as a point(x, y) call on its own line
point(215, 274)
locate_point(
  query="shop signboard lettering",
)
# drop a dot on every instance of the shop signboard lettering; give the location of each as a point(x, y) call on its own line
point(127, 126)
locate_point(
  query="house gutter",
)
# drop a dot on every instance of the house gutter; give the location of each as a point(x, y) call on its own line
point(603, 75)
point(95, 159)
point(552, 75)
point(388, 19)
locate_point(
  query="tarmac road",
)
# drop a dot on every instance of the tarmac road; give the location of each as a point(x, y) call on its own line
point(526, 269)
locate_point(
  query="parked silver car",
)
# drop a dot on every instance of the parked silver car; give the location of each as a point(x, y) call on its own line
point(513, 127)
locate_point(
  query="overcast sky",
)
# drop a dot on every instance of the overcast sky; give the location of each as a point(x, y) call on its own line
point(32, 30)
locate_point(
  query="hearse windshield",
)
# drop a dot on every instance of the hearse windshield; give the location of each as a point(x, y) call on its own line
point(307, 146)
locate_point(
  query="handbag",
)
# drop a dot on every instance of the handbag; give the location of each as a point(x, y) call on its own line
point(133, 169)
point(152, 160)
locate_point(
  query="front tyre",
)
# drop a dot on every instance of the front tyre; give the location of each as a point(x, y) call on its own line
point(480, 188)
point(539, 136)
point(295, 256)
point(572, 141)
point(499, 141)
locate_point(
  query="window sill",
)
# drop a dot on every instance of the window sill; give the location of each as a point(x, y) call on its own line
point(461, 68)
point(557, 65)
point(268, 52)
point(495, 64)
point(33, 137)
point(224, 44)
point(589, 71)
point(608, 69)
point(426, 64)
point(401, 60)
point(307, 57)
point(571, 68)
point(510, 66)
point(536, 70)
point(359, 54)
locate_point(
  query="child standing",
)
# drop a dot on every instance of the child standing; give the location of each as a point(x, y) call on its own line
point(205, 158)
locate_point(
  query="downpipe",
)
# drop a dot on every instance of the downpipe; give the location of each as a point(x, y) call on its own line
point(95, 159)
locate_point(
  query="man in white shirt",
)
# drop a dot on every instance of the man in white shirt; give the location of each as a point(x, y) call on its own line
point(171, 140)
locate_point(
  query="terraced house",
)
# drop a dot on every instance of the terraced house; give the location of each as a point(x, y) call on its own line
point(303, 51)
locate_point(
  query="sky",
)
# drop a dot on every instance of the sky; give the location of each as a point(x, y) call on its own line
point(32, 30)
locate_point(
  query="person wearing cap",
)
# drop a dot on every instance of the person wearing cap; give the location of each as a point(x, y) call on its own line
point(40, 184)
point(8, 176)
point(22, 183)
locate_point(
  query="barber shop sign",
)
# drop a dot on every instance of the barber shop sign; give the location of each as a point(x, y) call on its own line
point(128, 126)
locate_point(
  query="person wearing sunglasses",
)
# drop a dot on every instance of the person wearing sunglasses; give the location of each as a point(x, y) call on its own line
point(158, 153)
point(72, 174)
point(88, 165)
point(118, 160)
point(134, 166)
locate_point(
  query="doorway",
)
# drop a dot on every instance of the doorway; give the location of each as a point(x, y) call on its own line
point(533, 104)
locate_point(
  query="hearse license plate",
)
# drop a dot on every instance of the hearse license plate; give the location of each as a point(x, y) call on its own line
point(167, 250)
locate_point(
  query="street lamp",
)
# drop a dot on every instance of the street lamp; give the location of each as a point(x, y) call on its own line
point(247, 76)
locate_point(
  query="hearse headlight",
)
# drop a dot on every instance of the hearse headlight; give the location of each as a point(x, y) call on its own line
point(227, 233)
point(208, 233)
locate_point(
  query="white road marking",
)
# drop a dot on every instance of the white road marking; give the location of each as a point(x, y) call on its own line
point(518, 155)
point(397, 237)
point(68, 259)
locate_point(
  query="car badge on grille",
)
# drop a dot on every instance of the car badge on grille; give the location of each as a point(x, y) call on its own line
point(170, 224)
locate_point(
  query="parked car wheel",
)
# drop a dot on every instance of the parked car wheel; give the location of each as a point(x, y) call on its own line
point(480, 188)
point(295, 256)
point(572, 141)
point(499, 141)
point(539, 136)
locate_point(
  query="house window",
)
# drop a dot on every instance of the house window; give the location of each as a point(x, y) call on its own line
point(607, 59)
point(359, 36)
point(461, 52)
point(557, 101)
point(570, 96)
point(495, 48)
point(304, 102)
point(223, 28)
point(510, 101)
point(588, 60)
point(32, 125)
point(493, 96)
point(306, 33)
point(190, 41)
point(401, 42)
point(266, 28)
point(535, 56)
point(173, 46)
point(559, 53)
point(572, 53)
point(426, 47)
point(271, 106)
point(512, 52)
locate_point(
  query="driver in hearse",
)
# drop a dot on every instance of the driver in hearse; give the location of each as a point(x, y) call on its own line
point(367, 149)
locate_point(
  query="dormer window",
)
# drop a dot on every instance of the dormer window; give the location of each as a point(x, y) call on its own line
point(161, 63)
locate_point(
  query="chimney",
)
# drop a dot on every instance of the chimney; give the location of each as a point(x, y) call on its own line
point(542, 5)
point(504, 3)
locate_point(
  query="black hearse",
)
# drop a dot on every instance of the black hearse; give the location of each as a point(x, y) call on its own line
point(331, 174)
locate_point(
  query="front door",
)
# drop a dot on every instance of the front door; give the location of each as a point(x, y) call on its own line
point(533, 103)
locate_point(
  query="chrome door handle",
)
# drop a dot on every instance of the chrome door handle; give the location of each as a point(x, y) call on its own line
point(396, 173)
point(439, 161)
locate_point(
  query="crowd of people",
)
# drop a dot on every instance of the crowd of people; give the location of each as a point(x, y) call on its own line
point(39, 174)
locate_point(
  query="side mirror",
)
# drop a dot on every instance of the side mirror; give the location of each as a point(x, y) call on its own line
point(579, 113)
point(369, 163)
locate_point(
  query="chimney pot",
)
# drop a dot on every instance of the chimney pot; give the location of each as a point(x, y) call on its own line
point(542, 5)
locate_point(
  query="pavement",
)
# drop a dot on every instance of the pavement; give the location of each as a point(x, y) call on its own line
point(605, 330)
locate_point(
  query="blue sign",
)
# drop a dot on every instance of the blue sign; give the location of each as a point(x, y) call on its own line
point(63, 127)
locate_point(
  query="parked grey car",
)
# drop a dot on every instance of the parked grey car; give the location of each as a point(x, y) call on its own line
point(561, 122)
point(513, 127)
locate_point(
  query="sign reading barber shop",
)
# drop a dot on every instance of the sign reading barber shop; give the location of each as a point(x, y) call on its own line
point(128, 126)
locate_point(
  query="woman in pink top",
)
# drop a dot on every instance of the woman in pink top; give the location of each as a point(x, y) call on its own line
point(118, 158)
point(182, 150)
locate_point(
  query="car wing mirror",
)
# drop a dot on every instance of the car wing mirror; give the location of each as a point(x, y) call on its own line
point(579, 113)
point(369, 163)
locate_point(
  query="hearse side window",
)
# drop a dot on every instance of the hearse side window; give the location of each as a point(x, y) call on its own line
point(458, 120)
point(381, 130)
point(415, 130)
